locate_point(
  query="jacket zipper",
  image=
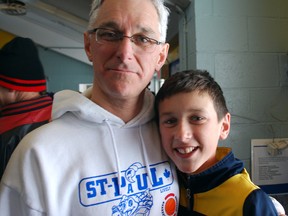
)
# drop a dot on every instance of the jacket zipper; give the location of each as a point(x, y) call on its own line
point(188, 194)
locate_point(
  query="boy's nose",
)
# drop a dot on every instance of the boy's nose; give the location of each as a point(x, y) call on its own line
point(183, 132)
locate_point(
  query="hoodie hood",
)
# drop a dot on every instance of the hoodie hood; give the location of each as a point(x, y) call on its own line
point(68, 101)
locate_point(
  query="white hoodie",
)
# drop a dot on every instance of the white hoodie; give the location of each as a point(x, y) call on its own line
point(75, 164)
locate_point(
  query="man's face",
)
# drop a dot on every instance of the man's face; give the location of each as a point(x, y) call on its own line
point(122, 70)
point(190, 130)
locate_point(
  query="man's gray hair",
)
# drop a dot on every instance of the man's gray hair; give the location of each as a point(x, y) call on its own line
point(162, 10)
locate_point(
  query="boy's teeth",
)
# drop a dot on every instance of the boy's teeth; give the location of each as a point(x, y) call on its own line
point(185, 150)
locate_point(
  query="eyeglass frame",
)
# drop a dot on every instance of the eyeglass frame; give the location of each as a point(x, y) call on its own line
point(120, 36)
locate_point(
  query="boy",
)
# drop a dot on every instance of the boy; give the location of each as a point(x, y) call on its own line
point(193, 117)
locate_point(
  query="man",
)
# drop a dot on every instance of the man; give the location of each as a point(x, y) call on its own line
point(24, 105)
point(101, 154)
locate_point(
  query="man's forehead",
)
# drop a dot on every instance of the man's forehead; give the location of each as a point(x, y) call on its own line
point(112, 16)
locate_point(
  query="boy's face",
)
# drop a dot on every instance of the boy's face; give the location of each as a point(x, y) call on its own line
point(190, 130)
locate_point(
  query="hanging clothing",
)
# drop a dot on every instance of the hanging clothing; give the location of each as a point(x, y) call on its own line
point(17, 120)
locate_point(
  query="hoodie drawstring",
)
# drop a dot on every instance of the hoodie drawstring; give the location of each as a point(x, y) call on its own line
point(144, 153)
point(116, 154)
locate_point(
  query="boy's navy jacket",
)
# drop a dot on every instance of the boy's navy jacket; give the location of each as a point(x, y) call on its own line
point(223, 189)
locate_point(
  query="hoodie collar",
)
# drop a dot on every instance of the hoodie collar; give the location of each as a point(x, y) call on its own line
point(68, 101)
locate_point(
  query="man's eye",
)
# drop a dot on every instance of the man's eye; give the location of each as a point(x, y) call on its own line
point(141, 39)
point(108, 35)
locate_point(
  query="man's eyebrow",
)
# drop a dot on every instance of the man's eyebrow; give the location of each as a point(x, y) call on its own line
point(147, 30)
point(114, 25)
point(109, 24)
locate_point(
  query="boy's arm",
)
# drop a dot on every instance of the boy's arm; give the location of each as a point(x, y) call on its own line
point(259, 203)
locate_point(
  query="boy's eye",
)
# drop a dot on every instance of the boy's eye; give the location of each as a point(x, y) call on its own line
point(197, 119)
point(169, 122)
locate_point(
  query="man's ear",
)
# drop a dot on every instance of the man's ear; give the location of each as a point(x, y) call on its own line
point(87, 45)
point(225, 128)
point(162, 56)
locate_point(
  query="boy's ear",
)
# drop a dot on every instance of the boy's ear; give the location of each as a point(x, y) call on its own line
point(225, 128)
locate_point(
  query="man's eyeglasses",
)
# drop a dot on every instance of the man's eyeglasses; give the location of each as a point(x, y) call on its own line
point(112, 37)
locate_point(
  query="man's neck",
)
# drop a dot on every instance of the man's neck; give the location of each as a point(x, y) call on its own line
point(126, 109)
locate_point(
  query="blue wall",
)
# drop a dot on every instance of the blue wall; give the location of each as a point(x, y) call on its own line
point(64, 72)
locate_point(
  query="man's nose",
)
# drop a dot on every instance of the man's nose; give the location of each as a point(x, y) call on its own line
point(125, 48)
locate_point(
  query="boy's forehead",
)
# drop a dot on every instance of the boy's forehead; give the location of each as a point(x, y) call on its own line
point(187, 102)
point(189, 96)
